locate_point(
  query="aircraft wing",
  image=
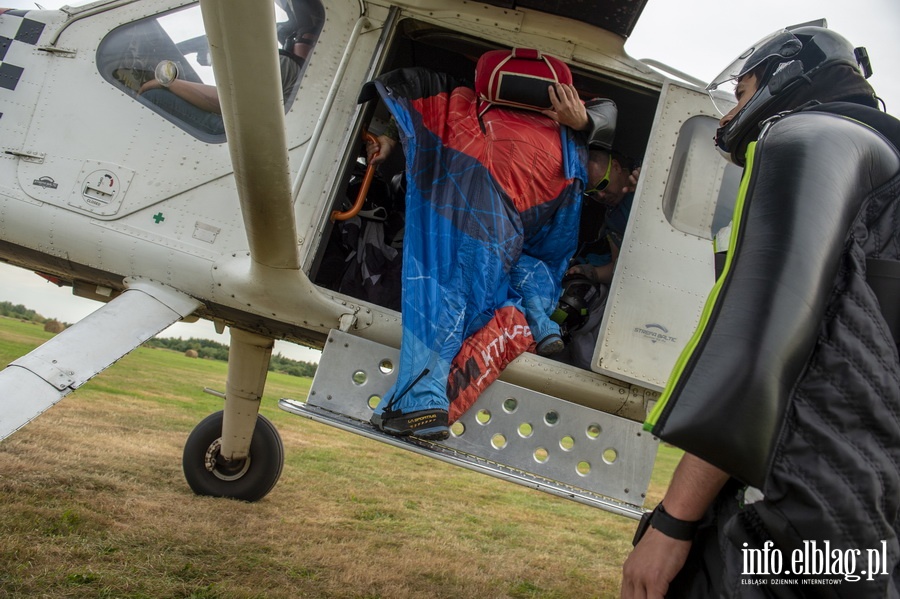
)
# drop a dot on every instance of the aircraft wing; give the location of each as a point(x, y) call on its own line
point(36, 381)
point(617, 16)
point(244, 51)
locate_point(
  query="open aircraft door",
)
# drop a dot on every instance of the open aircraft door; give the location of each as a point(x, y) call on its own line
point(665, 270)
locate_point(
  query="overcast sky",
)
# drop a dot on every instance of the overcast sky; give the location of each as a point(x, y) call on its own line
point(699, 37)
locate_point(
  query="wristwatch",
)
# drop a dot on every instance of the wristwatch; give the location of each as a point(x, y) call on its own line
point(682, 530)
point(166, 72)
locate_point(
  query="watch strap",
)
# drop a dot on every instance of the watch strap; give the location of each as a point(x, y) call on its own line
point(669, 525)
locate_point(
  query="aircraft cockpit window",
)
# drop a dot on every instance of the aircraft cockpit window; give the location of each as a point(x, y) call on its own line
point(146, 58)
point(701, 190)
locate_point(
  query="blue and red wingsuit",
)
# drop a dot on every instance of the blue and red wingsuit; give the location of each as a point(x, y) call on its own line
point(492, 212)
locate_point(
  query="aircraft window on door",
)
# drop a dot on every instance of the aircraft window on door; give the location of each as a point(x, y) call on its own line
point(145, 57)
point(702, 186)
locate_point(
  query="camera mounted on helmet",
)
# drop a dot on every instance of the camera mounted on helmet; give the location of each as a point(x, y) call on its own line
point(780, 62)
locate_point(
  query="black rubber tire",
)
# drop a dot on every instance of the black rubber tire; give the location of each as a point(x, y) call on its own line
point(266, 461)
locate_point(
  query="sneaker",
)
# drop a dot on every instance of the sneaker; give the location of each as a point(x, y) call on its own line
point(550, 345)
point(432, 425)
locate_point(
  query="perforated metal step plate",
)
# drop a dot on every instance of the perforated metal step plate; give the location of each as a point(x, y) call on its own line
point(512, 433)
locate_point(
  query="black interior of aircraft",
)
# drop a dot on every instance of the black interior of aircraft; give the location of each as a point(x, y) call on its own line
point(361, 256)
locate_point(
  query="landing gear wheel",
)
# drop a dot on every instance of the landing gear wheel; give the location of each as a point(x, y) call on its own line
point(250, 480)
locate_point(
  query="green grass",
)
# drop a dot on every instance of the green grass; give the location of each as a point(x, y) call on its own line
point(95, 505)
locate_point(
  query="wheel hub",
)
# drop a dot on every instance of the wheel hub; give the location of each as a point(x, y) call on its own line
point(220, 467)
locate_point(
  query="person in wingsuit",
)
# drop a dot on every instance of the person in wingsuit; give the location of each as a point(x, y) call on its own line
point(492, 207)
point(787, 398)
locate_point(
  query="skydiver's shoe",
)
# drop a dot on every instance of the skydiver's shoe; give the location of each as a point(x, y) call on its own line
point(550, 345)
point(432, 425)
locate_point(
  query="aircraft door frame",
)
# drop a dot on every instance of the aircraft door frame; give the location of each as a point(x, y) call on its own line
point(343, 124)
point(665, 268)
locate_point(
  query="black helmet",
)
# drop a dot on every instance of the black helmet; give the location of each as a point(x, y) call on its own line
point(572, 309)
point(781, 61)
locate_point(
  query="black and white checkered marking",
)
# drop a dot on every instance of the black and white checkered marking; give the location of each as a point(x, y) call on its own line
point(28, 32)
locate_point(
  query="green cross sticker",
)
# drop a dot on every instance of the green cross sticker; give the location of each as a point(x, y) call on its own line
point(158, 217)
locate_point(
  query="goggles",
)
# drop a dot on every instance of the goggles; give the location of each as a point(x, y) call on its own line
point(604, 182)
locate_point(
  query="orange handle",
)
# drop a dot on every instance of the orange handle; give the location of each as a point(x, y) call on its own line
point(363, 190)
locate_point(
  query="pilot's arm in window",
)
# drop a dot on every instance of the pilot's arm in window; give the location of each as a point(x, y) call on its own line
point(198, 103)
point(205, 97)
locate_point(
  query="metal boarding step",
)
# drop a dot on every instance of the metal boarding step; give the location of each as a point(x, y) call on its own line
point(511, 433)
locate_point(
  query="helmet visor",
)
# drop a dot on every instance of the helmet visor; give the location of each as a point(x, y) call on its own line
point(782, 45)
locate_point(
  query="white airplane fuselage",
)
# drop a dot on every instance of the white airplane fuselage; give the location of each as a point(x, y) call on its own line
point(97, 186)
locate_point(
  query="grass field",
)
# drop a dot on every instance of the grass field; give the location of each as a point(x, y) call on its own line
point(94, 504)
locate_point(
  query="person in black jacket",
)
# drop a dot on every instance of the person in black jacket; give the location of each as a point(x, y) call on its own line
point(787, 399)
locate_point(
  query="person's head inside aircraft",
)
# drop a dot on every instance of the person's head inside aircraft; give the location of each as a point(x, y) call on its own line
point(609, 177)
point(783, 71)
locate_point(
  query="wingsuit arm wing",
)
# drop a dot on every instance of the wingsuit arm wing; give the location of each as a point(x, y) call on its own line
point(537, 274)
point(602, 115)
point(803, 187)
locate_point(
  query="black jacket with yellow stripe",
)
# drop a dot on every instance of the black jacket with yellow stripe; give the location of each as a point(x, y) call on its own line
point(792, 382)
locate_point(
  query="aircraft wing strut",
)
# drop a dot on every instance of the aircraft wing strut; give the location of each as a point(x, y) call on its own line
point(38, 380)
point(244, 51)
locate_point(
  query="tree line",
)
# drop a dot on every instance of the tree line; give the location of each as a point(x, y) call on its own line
point(213, 350)
point(205, 348)
point(21, 312)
